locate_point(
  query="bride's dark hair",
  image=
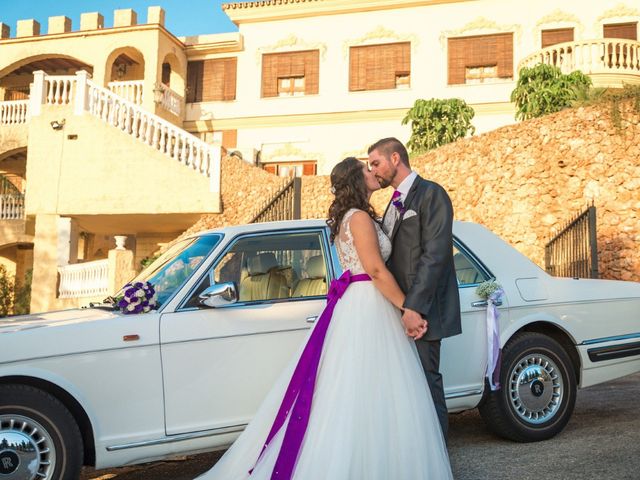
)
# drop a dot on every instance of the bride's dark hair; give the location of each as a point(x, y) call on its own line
point(350, 190)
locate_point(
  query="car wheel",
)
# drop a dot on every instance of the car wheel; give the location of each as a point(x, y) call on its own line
point(538, 390)
point(39, 438)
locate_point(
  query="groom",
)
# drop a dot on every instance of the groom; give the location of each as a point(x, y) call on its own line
point(419, 222)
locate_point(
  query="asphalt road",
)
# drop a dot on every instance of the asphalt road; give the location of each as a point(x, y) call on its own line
point(602, 441)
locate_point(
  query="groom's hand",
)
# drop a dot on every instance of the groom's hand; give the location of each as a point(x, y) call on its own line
point(414, 325)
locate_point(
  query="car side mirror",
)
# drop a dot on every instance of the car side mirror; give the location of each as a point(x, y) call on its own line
point(219, 295)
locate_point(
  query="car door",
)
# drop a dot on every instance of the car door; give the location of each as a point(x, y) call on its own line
point(463, 357)
point(219, 363)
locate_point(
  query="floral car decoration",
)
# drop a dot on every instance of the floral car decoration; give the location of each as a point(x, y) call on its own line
point(138, 297)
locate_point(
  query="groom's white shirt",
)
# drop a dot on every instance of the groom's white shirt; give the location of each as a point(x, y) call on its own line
point(392, 213)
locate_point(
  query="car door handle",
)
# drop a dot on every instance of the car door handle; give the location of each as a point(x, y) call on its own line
point(312, 319)
point(483, 303)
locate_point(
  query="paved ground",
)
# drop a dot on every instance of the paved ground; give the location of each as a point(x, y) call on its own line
point(602, 441)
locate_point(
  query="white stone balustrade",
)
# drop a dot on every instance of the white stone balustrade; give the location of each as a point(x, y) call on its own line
point(14, 112)
point(604, 55)
point(11, 207)
point(60, 89)
point(129, 117)
point(80, 280)
point(171, 101)
point(159, 134)
point(129, 90)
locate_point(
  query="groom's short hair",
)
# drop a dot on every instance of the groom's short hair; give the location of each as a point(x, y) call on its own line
point(390, 145)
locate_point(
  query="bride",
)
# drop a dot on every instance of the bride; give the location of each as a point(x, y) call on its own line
point(354, 404)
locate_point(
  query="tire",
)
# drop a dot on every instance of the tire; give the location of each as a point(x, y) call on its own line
point(40, 428)
point(538, 390)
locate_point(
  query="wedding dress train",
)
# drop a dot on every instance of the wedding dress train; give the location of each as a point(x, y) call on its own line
point(372, 416)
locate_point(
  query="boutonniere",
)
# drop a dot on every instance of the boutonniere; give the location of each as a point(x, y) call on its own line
point(396, 202)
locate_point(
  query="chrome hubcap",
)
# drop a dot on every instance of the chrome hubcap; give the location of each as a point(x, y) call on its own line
point(536, 389)
point(26, 449)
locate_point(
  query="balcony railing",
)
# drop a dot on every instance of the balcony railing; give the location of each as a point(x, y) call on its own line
point(14, 112)
point(130, 90)
point(80, 280)
point(600, 56)
point(170, 100)
point(11, 207)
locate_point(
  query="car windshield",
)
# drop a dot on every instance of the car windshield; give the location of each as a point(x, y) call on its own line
point(169, 271)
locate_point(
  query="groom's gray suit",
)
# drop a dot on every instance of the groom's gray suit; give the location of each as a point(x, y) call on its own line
point(422, 262)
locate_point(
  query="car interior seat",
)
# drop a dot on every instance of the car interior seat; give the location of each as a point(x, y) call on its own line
point(316, 281)
point(264, 280)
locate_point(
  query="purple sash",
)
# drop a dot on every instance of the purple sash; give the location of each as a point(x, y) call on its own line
point(299, 394)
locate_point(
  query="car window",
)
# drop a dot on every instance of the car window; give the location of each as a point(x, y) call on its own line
point(271, 267)
point(172, 268)
point(467, 271)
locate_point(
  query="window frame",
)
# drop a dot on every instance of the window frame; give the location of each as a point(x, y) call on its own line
point(402, 72)
point(479, 63)
point(475, 261)
point(325, 248)
point(269, 85)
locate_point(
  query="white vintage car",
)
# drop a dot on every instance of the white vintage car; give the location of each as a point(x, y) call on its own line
point(98, 387)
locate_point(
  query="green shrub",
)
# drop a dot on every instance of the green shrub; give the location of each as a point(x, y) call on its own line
point(6, 292)
point(436, 122)
point(22, 297)
point(544, 89)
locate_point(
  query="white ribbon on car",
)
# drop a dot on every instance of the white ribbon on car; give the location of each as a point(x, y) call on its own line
point(494, 352)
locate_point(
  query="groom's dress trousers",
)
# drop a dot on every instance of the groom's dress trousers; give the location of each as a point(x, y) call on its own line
point(422, 263)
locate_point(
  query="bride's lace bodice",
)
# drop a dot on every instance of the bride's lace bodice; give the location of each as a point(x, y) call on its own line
point(346, 249)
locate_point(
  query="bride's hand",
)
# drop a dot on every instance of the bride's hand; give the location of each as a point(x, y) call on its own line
point(414, 325)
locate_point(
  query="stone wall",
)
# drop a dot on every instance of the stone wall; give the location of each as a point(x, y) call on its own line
point(525, 181)
point(244, 190)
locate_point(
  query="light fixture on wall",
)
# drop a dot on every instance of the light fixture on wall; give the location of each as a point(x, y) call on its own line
point(158, 93)
point(121, 70)
point(57, 124)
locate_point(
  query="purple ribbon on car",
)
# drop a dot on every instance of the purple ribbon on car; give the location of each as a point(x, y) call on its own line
point(299, 394)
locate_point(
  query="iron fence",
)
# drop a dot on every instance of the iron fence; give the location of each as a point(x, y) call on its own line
point(573, 252)
point(285, 205)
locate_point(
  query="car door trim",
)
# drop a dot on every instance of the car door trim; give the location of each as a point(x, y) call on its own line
point(616, 338)
point(614, 352)
point(251, 334)
point(464, 393)
point(180, 438)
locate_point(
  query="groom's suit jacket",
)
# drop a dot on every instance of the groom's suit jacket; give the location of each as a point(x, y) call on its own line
point(422, 258)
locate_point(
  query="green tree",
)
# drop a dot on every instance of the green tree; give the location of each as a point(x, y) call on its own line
point(544, 89)
point(436, 122)
point(22, 297)
point(6, 292)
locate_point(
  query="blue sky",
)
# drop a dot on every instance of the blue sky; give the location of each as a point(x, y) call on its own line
point(183, 17)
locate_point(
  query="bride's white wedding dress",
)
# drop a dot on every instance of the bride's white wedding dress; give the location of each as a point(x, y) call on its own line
point(372, 416)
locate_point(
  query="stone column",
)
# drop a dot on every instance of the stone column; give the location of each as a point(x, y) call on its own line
point(45, 263)
point(121, 268)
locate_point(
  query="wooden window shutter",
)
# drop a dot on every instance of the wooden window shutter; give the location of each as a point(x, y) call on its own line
point(287, 65)
point(375, 67)
point(270, 168)
point(194, 81)
point(478, 51)
point(230, 78)
point(628, 31)
point(219, 79)
point(555, 36)
point(309, 168)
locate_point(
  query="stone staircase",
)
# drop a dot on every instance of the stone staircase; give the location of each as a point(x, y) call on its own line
point(117, 112)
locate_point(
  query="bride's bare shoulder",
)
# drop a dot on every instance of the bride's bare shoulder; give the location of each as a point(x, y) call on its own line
point(360, 219)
